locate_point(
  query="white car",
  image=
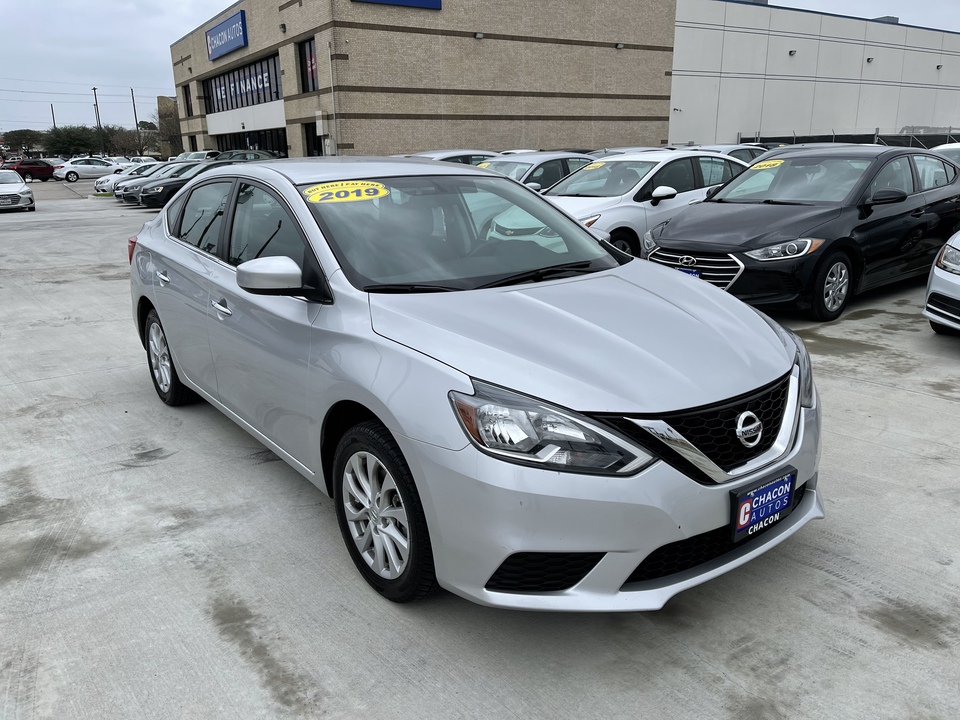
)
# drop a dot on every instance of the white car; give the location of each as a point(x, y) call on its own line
point(108, 182)
point(464, 157)
point(942, 307)
point(143, 160)
point(14, 193)
point(951, 151)
point(537, 169)
point(90, 167)
point(626, 195)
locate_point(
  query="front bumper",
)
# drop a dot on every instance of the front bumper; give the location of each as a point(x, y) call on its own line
point(21, 201)
point(481, 511)
point(943, 298)
point(778, 281)
point(154, 200)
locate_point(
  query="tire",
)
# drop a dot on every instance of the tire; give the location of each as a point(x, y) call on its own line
point(943, 329)
point(28, 177)
point(32, 208)
point(625, 241)
point(832, 287)
point(71, 176)
point(44, 179)
point(371, 479)
point(160, 362)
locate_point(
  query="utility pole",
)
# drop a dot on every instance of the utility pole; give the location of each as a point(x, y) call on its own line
point(96, 110)
point(53, 117)
point(136, 122)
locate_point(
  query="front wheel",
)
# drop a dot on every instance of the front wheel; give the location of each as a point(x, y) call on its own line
point(380, 514)
point(28, 177)
point(44, 179)
point(832, 287)
point(625, 241)
point(72, 177)
point(164, 375)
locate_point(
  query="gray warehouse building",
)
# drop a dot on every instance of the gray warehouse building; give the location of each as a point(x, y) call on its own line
point(311, 77)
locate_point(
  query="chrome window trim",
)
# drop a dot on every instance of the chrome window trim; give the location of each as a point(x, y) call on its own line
point(786, 438)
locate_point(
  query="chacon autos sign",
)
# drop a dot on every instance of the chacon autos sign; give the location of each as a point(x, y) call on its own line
point(429, 4)
point(229, 35)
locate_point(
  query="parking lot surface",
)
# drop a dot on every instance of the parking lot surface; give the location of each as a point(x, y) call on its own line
point(160, 563)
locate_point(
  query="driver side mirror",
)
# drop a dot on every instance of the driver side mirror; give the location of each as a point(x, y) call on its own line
point(713, 191)
point(535, 186)
point(270, 276)
point(887, 196)
point(662, 192)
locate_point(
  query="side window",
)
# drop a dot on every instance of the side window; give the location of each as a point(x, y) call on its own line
point(262, 227)
point(575, 164)
point(895, 174)
point(678, 175)
point(549, 173)
point(715, 170)
point(742, 154)
point(172, 212)
point(951, 172)
point(203, 216)
point(476, 159)
point(932, 172)
point(462, 159)
point(734, 169)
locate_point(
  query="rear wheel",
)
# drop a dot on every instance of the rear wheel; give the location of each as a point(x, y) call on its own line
point(162, 372)
point(832, 287)
point(943, 329)
point(625, 241)
point(72, 176)
point(44, 179)
point(380, 514)
point(28, 177)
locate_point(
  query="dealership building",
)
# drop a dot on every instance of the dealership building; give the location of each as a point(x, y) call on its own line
point(323, 77)
point(311, 77)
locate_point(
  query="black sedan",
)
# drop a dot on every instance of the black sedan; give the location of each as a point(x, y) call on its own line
point(815, 227)
point(155, 194)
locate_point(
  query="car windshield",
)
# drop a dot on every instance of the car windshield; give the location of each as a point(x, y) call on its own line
point(515, 170)
point(179, 170)
point(423, 233)
point(796, 180)
point(9, 177)
point(194, 170)
point(951, 154)
point(603, 179)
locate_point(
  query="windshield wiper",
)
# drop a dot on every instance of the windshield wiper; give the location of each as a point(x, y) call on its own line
point(408, 288)
point(538, 274)
point(770, 201)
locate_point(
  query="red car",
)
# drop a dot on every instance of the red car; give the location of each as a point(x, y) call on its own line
point(31, 169)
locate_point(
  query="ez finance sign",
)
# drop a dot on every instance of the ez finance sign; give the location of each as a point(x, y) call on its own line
point(229, 35)
point(429, 4)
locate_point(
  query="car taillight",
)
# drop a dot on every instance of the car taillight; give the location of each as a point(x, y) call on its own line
point(131, 246)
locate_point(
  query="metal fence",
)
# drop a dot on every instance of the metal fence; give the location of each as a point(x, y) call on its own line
point(903, 139)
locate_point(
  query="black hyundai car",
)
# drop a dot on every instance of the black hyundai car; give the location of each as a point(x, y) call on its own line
point(815, 227)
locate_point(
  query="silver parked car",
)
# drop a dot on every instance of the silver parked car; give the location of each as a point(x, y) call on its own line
point(89, 167)
point(537, 169)
point(483, 416)
point(15, 194)
point(942, 307)
point(463, 157)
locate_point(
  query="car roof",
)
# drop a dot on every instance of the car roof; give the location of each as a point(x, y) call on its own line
point(541, 156)
point(661, 155)
point(733, 146)
point(438, 153)
point(947, 146)
point(837, 151)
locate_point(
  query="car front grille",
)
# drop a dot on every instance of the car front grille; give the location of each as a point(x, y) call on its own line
point(697, 550)
point(716, 269)
point(529, 572)
point(13, 198)
point(946, 306)
point(712, 429)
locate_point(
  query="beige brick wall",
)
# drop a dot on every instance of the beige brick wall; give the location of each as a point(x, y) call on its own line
point(498, 73)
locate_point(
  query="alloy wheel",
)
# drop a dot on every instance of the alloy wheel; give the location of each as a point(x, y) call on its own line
point(835, 286)
point(375, 515)
point(159, 358)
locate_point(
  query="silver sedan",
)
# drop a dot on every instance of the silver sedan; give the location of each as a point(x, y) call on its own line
point(942, 307)
point(14, 192)
point(482, 418)
point(73, 170)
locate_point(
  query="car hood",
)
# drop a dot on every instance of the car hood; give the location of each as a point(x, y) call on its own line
point(636, 339)
point(166, 182)
point(11, 188)
point(584, 207)
point(741, 226)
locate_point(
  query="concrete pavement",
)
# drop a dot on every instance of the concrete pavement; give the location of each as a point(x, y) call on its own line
point(160, 563)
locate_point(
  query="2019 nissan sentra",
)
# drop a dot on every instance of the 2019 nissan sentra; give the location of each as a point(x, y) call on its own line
point(815, 227)
point(482, 420)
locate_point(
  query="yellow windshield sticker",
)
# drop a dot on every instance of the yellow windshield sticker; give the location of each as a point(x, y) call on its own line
point(345, 191)
point(486, 164)
point(594, 166)
point(767, 164)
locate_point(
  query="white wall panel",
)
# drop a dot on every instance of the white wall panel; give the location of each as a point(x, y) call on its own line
point(835, 102)
point(879, 106)
point(709, 44)
point(916, 106)
point(781, 62)
point(695, 117)
point(739, 108)
point(787, 103)
point(839, 59)
point(745, 53)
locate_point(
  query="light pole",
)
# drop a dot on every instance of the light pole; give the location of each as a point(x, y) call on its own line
point(96, 110)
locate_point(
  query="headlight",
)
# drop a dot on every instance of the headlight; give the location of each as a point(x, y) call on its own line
point(791, 340)
point(784, 251)
point(588, 222)
point(26, 192)
point(949, 259)
point(153, 189)
point(523, 430)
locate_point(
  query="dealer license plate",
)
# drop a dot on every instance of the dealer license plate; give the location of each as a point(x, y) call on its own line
point(6, 201)
point(688, 271)
point(761, 506)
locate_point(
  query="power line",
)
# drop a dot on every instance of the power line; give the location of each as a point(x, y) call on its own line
point(68, 102)
point(49, 92)
point(63, 82)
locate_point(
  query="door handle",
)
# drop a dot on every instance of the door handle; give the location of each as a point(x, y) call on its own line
point(162, 277)
point(221, 307)
point(919, 212)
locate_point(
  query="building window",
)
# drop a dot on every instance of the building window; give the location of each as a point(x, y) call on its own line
point(193, 143)
point(307, 56)
point(187, 100)
point(273, 140)
point(253, 84)
point(313, 144)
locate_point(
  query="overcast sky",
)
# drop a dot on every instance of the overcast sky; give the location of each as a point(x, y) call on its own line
point(55, 51)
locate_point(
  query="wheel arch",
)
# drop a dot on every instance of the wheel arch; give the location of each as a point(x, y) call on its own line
point(144, 306)
point(853, 251)
point(342, 416)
